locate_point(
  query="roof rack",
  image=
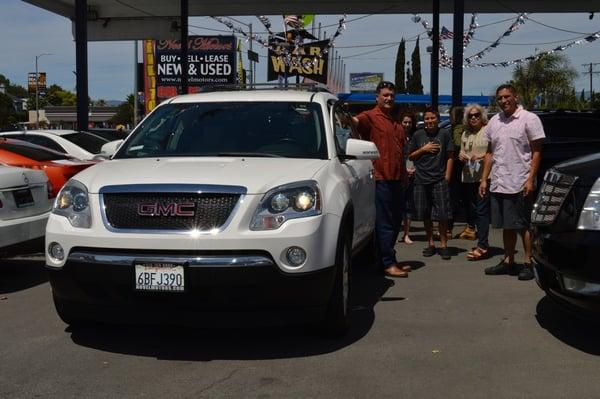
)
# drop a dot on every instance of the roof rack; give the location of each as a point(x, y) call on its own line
point(310, 87)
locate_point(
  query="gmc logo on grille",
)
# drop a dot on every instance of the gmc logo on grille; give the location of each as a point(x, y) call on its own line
point(186, 209)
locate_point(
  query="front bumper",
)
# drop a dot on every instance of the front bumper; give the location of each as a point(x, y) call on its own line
point(572, 255)
point(221, 289)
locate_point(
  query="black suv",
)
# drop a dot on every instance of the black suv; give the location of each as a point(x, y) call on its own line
point(566, 220)
point(569, 134)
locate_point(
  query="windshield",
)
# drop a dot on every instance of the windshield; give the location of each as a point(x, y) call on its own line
point(260, 129)
point(89, 142)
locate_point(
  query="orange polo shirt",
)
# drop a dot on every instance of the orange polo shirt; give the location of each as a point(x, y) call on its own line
point(388, 135)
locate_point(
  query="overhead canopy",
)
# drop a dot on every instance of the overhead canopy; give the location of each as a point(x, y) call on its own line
point(153, 19)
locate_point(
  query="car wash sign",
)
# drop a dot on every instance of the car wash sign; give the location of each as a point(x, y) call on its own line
point(211, 61)
point(304, 61)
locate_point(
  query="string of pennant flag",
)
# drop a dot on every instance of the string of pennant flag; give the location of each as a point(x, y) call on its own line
point(470, 62)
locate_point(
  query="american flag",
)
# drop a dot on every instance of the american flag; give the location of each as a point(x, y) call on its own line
point(292, 21)
point(445, 34)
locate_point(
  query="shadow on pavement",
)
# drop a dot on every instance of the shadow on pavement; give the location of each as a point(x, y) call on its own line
point(573, 331)
point(20, 274)
point(177, 343)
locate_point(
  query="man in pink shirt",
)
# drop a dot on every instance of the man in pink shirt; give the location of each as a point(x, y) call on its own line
point(513, 157)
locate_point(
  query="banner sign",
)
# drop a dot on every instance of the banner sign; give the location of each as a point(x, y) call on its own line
point(365, 81)
point(305, 63)
point(149, 76)
point(211, 61)
point(41, 82)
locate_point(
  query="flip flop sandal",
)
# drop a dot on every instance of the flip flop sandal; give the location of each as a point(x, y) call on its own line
point(429, 251)
point(478, 254)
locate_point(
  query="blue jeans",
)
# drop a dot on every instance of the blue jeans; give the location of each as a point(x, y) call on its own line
point(479, 208)
point(389, 208)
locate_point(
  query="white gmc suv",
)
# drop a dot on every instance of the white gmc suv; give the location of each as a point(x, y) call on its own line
point(219, 208)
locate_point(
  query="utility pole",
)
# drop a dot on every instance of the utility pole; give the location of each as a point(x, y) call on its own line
point(37, 96)
point(591, 72)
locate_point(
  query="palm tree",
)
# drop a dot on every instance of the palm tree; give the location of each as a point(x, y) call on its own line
point(549, 76)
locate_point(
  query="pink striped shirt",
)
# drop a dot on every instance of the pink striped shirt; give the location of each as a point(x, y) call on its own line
point(510, 139)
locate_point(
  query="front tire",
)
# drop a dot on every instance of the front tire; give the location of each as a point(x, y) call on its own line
point(337, 319)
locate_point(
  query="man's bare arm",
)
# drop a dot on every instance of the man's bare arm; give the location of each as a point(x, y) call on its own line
point(449, 165)
point(536, 157)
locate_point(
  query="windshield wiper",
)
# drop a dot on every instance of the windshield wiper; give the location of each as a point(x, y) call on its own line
point(248, 154)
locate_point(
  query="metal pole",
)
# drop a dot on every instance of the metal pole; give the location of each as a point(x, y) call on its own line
point(184, 46)
point(37, 111)
point(135, 83)
point(251, 62)
point(319, 35)
point(344, 78)
point(457, 52)
point(81, 61)
point(435, 55)
point(591, 81)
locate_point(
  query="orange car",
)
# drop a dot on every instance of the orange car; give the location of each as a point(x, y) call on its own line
point(58, 166)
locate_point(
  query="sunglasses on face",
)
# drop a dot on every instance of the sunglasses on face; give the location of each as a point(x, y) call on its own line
point(476, 115)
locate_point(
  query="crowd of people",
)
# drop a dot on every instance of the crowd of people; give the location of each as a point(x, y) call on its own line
point(484, 169)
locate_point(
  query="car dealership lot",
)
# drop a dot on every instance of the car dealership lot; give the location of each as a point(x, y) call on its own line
point(447, 331)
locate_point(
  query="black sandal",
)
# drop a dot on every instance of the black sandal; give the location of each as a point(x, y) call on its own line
point(445, 253)
point(429, 251)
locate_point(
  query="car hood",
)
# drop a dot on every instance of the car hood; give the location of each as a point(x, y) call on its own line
point(587, 168)
point(258, 175)
point(16, 177)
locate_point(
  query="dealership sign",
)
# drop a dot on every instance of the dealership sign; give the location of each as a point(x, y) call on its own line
point(211, 61)
point(305, 61)
point(41, 82)
point(365, 81)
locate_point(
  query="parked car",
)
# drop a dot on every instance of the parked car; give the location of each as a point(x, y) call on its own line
point(219, 208)
point(58, 166)
point(566, 219)
point(569, 134)
point(81, 145)
point(25, 203)
point(109, 134)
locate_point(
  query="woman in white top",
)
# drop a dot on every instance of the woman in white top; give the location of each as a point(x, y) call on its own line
point(472, 151)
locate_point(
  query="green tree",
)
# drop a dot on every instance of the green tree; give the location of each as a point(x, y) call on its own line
point(400, 63)
point(595, 103)
point(12, 89)
point(550, 77)
point(7, 111)
point(100, 103)
point(414, 83)
point(124, 113)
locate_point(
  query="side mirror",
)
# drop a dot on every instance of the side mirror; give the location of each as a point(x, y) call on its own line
point(110, 148)
point(361, 149)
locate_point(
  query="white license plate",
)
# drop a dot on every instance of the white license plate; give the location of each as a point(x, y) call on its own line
point(159, 276)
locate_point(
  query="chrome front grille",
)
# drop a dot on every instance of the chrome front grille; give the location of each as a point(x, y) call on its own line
point(169, 208)
point(554, 191)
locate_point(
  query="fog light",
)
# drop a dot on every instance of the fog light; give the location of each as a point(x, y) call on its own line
point(581, 287)
point(296, 256)
point(56, 251)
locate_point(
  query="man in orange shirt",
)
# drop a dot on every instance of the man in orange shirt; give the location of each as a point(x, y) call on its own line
point(378, 126)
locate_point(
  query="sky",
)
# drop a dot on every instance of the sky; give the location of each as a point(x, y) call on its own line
point(27, 31)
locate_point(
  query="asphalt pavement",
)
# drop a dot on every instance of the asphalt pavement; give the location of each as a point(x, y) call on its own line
point(447, 331)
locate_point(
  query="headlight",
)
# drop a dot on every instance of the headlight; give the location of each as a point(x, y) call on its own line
point(292, 201)
point(590, 215)
point(73, 203)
